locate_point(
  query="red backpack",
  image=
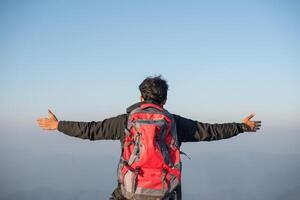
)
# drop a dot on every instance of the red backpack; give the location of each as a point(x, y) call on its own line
point(150, 166)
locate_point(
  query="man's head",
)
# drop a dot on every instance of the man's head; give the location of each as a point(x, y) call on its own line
point(154, 89)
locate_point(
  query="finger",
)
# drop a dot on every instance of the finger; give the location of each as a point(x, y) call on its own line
point(51, 115)
point(42, 121)
point(41, 124)
point(250, 116)
point(44, 125)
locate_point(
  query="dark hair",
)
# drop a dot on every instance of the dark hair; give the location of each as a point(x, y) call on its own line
point(154, 89)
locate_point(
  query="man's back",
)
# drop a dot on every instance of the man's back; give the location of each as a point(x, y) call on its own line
point(154, 91)
point(113, 129)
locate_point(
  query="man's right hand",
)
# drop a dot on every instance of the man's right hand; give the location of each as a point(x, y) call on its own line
point(249, 125)
point(50, 123)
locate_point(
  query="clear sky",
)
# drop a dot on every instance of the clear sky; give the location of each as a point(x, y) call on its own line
point(84, 60)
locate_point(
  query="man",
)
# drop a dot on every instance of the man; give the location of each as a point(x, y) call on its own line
point(153, 90)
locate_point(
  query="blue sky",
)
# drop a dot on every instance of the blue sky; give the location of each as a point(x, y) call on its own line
point(222, 58)
point(85, 59)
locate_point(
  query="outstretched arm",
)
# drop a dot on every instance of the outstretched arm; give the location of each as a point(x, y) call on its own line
point(194, 131)
point(108, 129)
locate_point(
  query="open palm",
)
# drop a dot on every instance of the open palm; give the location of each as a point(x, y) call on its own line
point(251, 126)
point(50, 123)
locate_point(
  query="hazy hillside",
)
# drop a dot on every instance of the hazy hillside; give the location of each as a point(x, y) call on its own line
point(209, 176)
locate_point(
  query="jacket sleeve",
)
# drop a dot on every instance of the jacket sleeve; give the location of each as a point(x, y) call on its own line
point(193, 131)
point(108, 129)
